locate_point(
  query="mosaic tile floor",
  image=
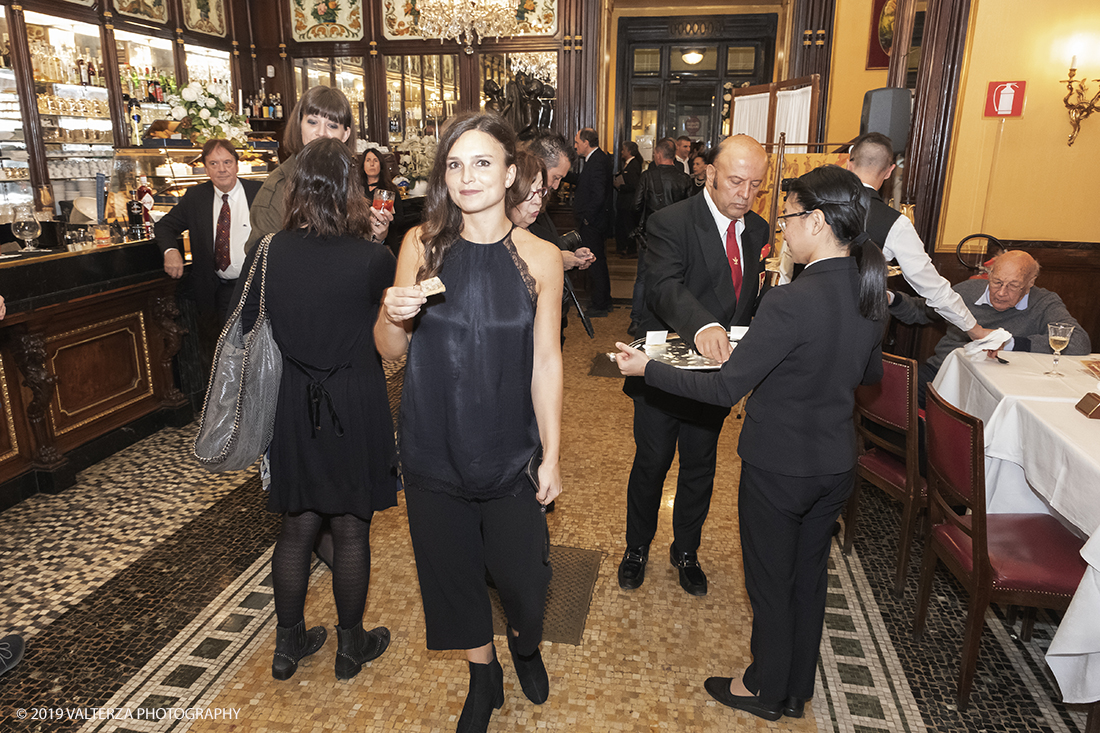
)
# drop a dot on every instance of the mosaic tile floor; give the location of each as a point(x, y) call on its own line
point(144, 592)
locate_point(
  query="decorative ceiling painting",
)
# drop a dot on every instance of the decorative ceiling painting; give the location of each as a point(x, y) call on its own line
point(327, 20)
point(535, 18)
point(205, 16)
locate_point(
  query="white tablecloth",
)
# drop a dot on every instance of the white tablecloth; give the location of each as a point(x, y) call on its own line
point(1042, 455)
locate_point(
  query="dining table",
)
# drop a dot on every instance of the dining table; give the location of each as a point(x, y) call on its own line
point(1042, 455)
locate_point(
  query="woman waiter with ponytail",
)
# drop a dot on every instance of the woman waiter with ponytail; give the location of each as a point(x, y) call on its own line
point(810, 345)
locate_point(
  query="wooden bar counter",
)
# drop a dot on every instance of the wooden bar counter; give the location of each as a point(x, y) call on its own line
point(86, 349)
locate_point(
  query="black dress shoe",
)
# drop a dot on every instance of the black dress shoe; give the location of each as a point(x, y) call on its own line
point(793, 707)
point(692, 577)
point(632, 568)
point(719, 689)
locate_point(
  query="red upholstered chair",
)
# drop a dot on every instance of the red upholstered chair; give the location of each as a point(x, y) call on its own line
point(1022, 559)
point(890, 404)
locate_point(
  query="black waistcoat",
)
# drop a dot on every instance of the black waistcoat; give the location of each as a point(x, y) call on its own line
point(880, 218)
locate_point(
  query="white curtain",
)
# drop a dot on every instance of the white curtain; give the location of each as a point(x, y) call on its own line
point(750, 116)
point(792, 116)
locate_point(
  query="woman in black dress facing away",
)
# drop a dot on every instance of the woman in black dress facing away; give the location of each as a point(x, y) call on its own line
point(332, 454)
point(810, 345)
point(483, 390)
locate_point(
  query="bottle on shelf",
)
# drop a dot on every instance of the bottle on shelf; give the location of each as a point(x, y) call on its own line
point(135, 216)
point(5, 52)
point(278, 106)
point(145, 196)
point(93, 74)
point(135, 123)
point(82, 72)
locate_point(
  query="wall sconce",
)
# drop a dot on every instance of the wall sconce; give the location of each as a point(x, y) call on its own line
point(1079, 108)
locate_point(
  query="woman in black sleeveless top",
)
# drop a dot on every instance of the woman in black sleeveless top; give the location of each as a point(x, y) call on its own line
point(483, 391)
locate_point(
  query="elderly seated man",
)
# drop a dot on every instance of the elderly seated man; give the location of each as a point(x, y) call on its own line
point(1008, 300)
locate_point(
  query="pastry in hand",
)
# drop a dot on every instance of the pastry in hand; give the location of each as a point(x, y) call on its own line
point(432, 286)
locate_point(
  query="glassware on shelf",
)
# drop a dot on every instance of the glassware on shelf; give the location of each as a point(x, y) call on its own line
point(25, 226)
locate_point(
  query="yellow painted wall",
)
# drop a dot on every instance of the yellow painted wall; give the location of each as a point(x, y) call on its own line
point(1040, 188)
point(849, 78)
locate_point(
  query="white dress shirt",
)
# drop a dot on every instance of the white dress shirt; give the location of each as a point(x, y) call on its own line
point(722, 222)
point(903, 245)
point(239, 228)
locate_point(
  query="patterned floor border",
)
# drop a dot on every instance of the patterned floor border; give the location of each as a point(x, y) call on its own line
point(861, 684)
point(190, 672)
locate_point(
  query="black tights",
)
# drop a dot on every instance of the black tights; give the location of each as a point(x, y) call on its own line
point(291, 561)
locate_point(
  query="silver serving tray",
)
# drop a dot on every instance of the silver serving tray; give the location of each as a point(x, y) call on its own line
point(675, 352)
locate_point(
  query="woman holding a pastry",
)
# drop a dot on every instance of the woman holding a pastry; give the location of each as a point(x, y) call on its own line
point(481, 404)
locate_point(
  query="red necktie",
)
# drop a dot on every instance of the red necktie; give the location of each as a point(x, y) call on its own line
point(221, 237)
point(734, 257)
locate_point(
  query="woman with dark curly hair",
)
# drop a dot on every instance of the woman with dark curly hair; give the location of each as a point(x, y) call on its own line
point(332, 452)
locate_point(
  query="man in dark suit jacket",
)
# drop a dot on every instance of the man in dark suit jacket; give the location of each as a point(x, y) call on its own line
point(592, 210)
point(703, 275)
point(626, 184)
point(199, 211)
point(195, 213)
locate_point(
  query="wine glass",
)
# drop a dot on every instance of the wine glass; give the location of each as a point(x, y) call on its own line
point(25, 226)
point(1058, 334)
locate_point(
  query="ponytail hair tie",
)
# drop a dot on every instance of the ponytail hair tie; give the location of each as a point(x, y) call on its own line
point(861, 238)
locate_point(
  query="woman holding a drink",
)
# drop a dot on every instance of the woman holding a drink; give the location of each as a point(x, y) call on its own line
point(380, 188)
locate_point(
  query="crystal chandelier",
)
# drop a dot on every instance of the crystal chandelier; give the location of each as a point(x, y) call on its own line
point(462, 20)
point(541, 65)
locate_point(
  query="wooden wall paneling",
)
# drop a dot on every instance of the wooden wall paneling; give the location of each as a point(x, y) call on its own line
point(120, 121)
point(24, 81)
point(928, 152)
point(904, 18)
point(14, 442)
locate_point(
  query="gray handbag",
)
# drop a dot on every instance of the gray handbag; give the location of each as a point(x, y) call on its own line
point(238, 416)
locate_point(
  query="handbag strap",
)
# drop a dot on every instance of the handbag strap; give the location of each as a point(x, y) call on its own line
point(261, 255)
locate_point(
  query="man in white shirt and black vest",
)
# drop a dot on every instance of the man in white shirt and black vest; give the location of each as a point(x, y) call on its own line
point(872, 160)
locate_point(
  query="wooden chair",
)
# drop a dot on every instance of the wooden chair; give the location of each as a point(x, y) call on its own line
point(1023, 559)
point(891, 405)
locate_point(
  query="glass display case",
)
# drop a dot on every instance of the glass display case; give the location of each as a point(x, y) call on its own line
point(147, 72)
point(71, 87)
point(421, 93)
point(170, 172)
point(208, 65)
point(15, 185)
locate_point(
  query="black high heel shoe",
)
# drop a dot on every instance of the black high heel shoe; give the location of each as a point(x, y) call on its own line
point(486, 695)
point(531, 672)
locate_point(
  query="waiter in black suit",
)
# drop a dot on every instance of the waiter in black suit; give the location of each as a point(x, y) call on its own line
point(811, 344)
point(626, 186)
point(703, 274)
point(216, 214)
point(592, 210)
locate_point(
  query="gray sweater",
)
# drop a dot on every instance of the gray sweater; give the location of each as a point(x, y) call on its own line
point(1028, 327)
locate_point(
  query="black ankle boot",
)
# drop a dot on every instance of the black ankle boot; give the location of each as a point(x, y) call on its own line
point(531, 672)
point(486, 695)
point(356, 647)
point(293, 644)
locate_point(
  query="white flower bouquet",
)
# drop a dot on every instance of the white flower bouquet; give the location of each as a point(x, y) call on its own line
point(206, 111)
point(416, 155)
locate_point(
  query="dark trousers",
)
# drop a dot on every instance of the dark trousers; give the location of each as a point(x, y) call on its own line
point(599, 280)
point(455, 541)
point(657, 435)
point(786, 531)
point(212, 322)
point(637, 300)
point(625, 221)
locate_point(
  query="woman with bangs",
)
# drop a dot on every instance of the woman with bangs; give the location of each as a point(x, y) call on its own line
point(320, 112)
point(481, 402)
point(332, 452)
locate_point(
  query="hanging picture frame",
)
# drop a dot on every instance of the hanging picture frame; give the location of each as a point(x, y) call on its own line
point(326, 20)
point(154, 10)
point(881, 40)
point(205, 16)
